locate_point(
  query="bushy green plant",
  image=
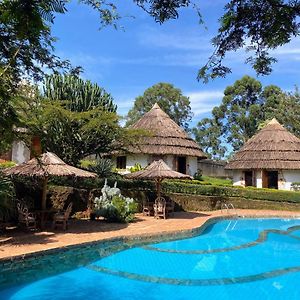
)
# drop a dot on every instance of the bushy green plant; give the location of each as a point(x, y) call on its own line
point(87, 163)
point(7, 195)
point(295, 186)
point(135, 168)
point(7, 164)
point(114, 207)
point(103, 167)
point(198, 175)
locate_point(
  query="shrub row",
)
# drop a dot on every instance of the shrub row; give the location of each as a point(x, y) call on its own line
point(239, 192)
point(175, 186)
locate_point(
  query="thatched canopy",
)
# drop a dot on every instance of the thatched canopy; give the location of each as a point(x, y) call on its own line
point(272, 148)
point(166, 136)
point(158, 170)
point(48, 164)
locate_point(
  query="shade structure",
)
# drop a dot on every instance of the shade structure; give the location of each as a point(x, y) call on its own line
point(48, 164)
point(272, 148)
point(157, 171)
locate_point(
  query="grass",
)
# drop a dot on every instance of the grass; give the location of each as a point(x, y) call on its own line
point(217, 181)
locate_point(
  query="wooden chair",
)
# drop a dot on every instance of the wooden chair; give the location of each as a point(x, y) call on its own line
point(61, 218)
point(160, 208)
point(26, 218)
point(170, 207)
point(148, 209)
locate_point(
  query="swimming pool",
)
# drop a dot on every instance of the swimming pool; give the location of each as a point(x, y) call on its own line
point(231, 259)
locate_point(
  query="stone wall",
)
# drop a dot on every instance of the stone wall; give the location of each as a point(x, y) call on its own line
point(213, 168)
point(61, 196)
point(206, 203)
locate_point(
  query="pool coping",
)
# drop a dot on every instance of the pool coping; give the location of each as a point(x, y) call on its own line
point(136, 239)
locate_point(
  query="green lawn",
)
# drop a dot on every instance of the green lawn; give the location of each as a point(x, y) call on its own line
point(217, 181)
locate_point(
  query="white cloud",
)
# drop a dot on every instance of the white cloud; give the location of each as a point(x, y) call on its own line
point(290, 49)
point(204, 101)
point(190, 41)
point(124, 105)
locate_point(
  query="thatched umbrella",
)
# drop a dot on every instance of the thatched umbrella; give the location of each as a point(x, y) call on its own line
point(158, 171)
point(48, 164)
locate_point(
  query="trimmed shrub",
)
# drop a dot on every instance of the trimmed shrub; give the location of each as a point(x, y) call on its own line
point(7, 164)
point(248, 193)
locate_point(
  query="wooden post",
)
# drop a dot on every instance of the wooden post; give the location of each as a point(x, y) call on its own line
point(158, 187)
point(44, 195)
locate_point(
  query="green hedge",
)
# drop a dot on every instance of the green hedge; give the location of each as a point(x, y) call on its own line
point(239, 192)
point(187, 187)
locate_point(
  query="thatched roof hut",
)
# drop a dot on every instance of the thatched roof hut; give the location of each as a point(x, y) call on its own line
point(272, 148)
point(166, 136)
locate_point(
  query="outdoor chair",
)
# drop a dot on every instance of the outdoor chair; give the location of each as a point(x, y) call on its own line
point(160, 208)
point(148, 209)
point(25, 217)
point(61, 218)
point(170, 207)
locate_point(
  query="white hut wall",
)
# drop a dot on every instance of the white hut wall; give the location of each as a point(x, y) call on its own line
point(142, 159)
point(238, 178)
point(286, 178)
point(192, 165)
point(259, 179)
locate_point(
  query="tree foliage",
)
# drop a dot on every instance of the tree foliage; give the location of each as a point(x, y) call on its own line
point(73, 134)
point(245, 107)
point(77, 94)
point(7, 195)
point(258, 26)
point(26, 42)
point(169, 98)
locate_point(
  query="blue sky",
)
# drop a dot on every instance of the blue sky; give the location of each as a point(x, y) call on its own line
point(126, 62)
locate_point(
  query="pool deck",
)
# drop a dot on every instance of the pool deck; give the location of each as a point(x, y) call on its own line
point(16, 242)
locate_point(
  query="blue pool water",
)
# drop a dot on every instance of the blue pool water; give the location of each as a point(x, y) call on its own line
point(231, 259)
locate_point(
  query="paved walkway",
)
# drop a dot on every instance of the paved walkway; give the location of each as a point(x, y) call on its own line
point(15, 242)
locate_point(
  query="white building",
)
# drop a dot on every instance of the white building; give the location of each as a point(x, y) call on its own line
point(166, 141)
point(270, 159)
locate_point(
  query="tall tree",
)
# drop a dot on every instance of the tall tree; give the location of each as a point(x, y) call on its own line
point(71, 132)
point(207, 135)
point(77, 94)
point(245, 107)
point(169, 98)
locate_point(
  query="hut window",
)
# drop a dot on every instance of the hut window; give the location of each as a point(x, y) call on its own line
point(121, 162)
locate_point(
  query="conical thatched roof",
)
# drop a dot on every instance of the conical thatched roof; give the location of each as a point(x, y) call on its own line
point(47, 164)
point(157, 170)
point(273, 147)
point(166, 136)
